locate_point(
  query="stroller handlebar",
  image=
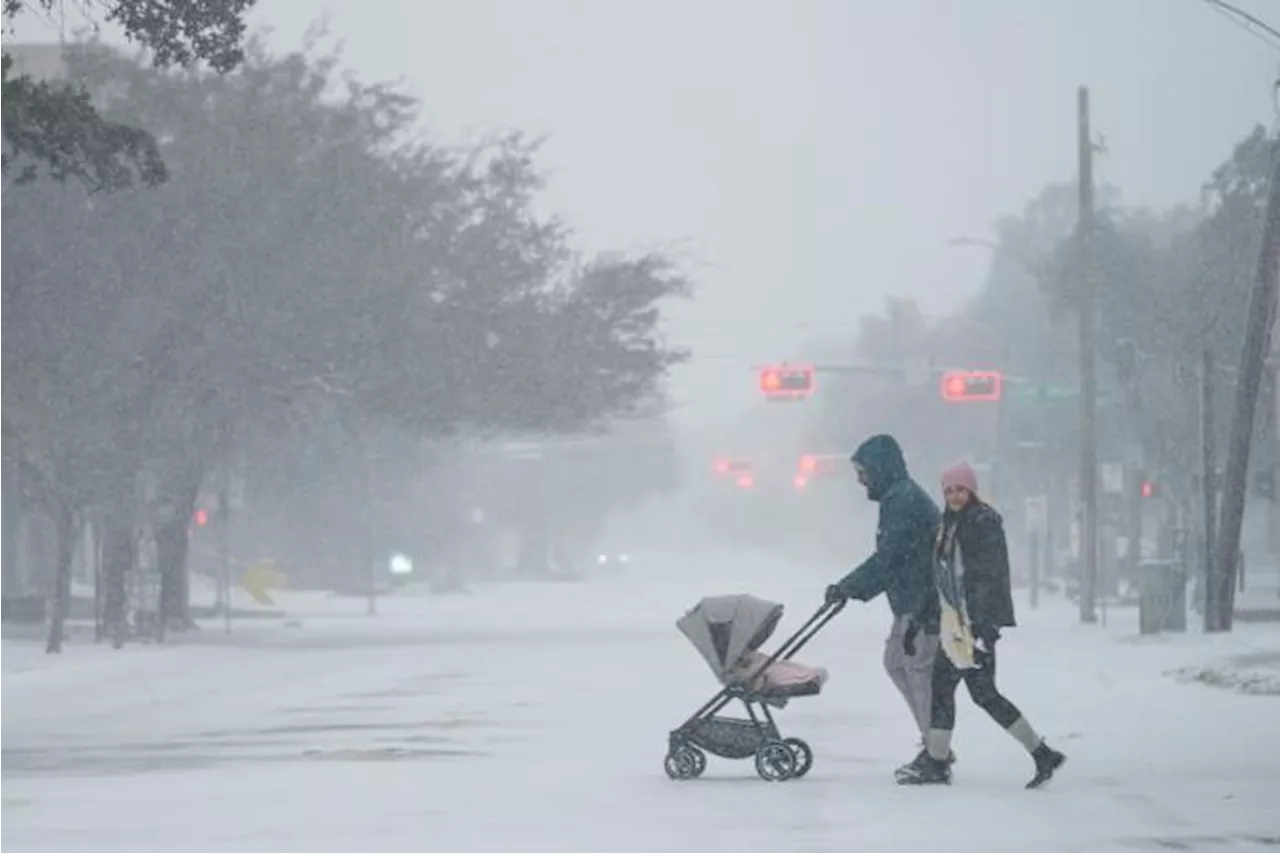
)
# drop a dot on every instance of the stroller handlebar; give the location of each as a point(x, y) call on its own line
point(807, 631)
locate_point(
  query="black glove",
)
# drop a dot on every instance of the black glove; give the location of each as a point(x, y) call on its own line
point(909, 639)
point(836, 595)
point(985, 637)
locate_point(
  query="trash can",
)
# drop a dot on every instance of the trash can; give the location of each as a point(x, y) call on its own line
point(1162, 598)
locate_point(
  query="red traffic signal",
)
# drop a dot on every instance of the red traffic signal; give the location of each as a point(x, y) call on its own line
point(786, 382)
point(813, 464)
point(724, 466)
point(1148, 489)
point(972, 386)
point(201, 517)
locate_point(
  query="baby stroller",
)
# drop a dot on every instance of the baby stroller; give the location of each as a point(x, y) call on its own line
point(728, 631)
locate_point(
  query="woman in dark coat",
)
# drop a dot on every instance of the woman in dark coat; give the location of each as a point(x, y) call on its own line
point(973, 560)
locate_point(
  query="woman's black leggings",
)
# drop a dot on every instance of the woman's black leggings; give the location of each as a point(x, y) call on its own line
point(982, 687)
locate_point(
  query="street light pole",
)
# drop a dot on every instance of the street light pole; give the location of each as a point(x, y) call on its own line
point(1088, 371)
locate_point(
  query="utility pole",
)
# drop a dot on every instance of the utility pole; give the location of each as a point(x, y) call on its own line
point(1257, 339)
point(224, 521)
point(1274, 515)
point(1208, 486)
point(1088, 371)
point(367, 511)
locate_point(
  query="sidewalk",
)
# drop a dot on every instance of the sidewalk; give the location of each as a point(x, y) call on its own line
point(1260, 599)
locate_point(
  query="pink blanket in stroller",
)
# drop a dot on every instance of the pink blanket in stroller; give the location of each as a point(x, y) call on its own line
point(784, 677)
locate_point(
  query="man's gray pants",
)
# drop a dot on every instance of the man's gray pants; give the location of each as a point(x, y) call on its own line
point(912, 674)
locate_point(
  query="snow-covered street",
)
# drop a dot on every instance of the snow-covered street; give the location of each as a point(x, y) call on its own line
point(534, 717)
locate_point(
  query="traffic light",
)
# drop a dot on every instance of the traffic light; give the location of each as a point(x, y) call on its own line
point(724, 466)
point(814, 464)
point(201, 517)
point(1148, 489)
point(972, 386)
point(786, 382)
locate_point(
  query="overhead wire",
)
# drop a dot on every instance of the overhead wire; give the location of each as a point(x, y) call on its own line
point(1250, 23)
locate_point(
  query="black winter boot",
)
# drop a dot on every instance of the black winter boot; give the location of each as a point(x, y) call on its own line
point(930, 771)
point(1047, 760)
point(914, 765)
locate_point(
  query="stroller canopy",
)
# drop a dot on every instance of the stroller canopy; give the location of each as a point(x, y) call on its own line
point(723, 628)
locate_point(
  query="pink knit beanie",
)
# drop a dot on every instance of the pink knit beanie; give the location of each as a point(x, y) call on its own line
point(960, 474)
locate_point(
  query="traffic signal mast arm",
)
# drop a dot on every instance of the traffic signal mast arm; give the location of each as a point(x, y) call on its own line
point(957, 385)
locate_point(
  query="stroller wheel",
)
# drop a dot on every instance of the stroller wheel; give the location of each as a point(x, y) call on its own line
point(699, 760)
point(775, 762)
point(682, 763)
point(803, 754)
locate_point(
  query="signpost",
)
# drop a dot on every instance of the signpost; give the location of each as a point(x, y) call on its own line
point(1036, 510)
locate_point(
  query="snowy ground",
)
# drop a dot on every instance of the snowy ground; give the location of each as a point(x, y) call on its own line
point(534, 717)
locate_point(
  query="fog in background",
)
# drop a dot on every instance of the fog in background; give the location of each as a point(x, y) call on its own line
point(803, 163)
point(810, 158)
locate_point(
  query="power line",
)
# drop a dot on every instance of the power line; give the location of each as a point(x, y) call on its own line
point(1247, 22)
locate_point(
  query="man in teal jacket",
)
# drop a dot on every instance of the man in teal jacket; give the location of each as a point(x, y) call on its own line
point(901, 567)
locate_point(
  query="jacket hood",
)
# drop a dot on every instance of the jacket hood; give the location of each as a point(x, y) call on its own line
point(881, 457)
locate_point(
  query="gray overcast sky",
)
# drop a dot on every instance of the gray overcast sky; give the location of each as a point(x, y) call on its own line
point(814, 155)
point(811, 156)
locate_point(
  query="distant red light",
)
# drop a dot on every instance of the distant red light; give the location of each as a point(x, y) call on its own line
point(972, 386)
point(801, 481)
point(202, 517)
point(746, 481)
point(787, 382)
point(808, 463)
point(1148, 489)
point(721, 466)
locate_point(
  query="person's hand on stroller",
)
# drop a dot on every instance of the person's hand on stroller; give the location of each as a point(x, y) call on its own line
point(835, 594)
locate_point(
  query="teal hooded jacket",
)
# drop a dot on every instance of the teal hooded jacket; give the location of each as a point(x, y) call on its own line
point(902, 565)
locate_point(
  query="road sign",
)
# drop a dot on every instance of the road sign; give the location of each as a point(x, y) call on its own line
point(1042, 393)
point(1052, 394)
point(260, 577)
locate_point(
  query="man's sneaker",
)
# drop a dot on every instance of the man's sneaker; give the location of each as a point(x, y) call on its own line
point(929, 772)
point(1047, 761)
point(914, 765)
